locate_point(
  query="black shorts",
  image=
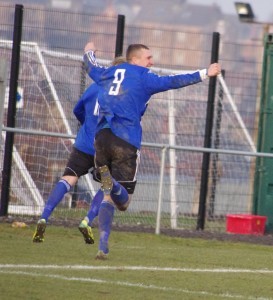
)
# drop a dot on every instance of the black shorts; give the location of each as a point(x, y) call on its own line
point(79, 163)
point(121, 158)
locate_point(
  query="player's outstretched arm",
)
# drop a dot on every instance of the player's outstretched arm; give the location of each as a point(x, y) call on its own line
point(214, 70)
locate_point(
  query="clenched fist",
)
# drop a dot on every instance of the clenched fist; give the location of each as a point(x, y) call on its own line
point(90, 46)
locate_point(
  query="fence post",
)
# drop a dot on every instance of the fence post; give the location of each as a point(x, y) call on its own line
point(161, 180)
point(13, 85)
point(3, 77)
point(215, 160)
point(263, 180)
point(208, 136)
point(120, 35)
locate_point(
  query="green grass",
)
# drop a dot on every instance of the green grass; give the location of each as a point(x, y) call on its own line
point(145, 218)
point(140, 266)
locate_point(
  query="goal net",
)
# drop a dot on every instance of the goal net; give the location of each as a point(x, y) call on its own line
point(49, 86)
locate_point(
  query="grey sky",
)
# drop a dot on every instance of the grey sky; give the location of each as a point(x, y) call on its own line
point(263, 9)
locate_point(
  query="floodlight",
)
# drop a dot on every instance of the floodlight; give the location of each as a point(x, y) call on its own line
point(244, 12)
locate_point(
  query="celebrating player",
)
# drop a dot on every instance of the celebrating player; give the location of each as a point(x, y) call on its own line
point(125, 92)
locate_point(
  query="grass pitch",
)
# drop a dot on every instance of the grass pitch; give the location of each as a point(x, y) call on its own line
point(140, 266)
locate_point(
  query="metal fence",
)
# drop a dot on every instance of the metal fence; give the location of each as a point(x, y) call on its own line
point(167, 195)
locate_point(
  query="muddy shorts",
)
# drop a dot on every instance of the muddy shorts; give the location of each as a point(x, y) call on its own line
point(121, 158)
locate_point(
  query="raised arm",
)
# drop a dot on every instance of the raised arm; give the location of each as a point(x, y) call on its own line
point(92, 67)
point(89, 54)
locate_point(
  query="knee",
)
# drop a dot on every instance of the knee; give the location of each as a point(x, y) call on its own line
point(122, 207)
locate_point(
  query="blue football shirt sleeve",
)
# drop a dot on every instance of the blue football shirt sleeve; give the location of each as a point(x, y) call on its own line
point(155, 83)
point(92, 67)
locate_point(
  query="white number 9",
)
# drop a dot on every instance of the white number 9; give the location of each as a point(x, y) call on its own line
point(119, 76)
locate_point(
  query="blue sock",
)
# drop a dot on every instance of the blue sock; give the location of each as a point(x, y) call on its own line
point(106, 214)
point(55, 197)
point(119, 194)
point(95, 206)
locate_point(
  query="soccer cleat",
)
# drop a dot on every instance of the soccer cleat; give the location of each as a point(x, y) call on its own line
point(86, 232)
point(106, 180)
point(39, 234)
point(101, 255)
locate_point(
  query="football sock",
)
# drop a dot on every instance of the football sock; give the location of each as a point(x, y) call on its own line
point(55, 197)
point(106, 214)
point(119, 194)
point(95, 206)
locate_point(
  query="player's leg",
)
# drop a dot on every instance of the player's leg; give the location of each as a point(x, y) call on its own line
point(94, 207)
point(85, 163)
point(112, 188)
point(61, 188)
point(124, 170)
point(96, 201)
point(120, 181)
point(75, 168)
point(73, 171)
point(106, 215)
point(107, 207)
point(85, 225)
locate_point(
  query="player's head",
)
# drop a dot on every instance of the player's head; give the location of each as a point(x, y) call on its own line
point(118, 60)
point(140, 55)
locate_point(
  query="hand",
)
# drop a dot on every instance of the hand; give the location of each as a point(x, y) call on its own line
point(90, 46)
point(214, 70)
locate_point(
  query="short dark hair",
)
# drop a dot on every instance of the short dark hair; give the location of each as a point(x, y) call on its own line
point(132, 49)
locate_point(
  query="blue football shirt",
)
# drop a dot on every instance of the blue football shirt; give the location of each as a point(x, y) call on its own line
point(125, 91)
point(86, 111)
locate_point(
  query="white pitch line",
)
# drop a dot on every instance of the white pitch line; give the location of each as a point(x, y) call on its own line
point(135, 268)
point(138, 285)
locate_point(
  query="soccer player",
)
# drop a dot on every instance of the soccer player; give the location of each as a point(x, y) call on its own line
point(80, 162)
point(125, 91)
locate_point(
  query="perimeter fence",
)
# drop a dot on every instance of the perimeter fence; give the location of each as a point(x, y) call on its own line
point(171, 174)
